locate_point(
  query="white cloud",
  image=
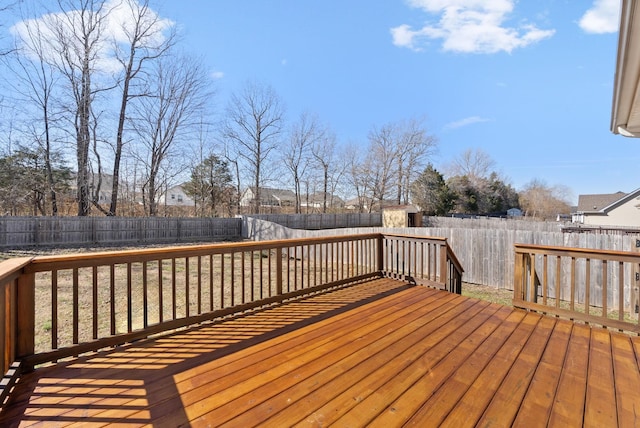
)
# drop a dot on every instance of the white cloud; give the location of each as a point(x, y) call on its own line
point(217, 75)
point(465, 122)
point(469, 26)
point(603, 17)
point(118, 23)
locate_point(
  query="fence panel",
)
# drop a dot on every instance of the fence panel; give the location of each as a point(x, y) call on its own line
point(20, 232)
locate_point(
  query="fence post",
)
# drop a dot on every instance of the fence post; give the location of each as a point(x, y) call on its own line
point(25, 316)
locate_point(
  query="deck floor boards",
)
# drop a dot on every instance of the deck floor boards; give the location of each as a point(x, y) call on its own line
point(380, 353)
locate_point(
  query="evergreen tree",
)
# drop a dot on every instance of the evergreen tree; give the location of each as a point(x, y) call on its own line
point(210, 185)
point(431, 193)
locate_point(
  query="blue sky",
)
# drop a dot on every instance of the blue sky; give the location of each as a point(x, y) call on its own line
point(528, 82)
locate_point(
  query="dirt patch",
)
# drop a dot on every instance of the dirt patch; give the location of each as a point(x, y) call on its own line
point(491, 294)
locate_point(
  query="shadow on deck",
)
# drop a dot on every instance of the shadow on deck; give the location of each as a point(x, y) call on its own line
point(376, 353)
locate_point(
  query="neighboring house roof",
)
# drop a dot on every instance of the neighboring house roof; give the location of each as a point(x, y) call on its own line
point(279, 194)
point(598, 203)
point(318, 197)
point(625, 115)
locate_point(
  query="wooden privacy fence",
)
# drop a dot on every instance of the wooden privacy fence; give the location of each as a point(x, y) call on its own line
point(17, 232)
point(54, 307)
point(322, 221)
point(595, 286)
point(488, 257)
point(483, 246)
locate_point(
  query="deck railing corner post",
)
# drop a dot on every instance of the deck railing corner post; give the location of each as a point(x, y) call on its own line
point(25, 315)
point(444, 255)
point(518, 277)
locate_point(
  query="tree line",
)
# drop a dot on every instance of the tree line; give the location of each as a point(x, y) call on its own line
point(105, 111)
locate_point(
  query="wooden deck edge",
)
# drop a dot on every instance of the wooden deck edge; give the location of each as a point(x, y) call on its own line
point(169, 326)
point(573, 315)
point(9, 380)
point(413, 280)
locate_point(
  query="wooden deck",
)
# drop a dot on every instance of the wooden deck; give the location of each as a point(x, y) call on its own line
point(380, 353)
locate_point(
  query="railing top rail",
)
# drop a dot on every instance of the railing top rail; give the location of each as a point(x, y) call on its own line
point(578, 252)
point(415, 237)
point(11, 267)
point(439, 239)
point(454, 259)
point(44, 263)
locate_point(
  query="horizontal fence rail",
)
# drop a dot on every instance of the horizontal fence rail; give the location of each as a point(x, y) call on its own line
point(55, 307)
point(594, 286)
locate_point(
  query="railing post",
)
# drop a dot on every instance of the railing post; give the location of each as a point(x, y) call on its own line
point(518, 276)
point(380, 255)
point(25, 316)
point(279, 271)
point(443, 265)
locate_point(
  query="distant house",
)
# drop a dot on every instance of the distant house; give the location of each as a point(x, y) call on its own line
point(613, 209)
point(367, 204)
point(357, 204)
point(269, 197)
point(176, 197)
point(316, 201)
point(105, 183)
point(100, 186)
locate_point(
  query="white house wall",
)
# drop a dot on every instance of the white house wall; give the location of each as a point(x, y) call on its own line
point(627, 214)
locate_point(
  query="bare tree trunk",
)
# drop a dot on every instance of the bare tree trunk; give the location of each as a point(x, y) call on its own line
point(253, 128)
point(163, 119)
point(141, 49)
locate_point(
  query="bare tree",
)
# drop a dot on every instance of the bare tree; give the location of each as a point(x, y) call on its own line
point(324, 151)
point(474, 163)
point(234, 167)
point(5, 7)
point(77, 35)
point(414, 147)
point(165, 119)
point(358, 171)
point(36, 80)
point(141, 39)
point(253, 130)
point(304, 134)
point(539, 200)
point(382, 160)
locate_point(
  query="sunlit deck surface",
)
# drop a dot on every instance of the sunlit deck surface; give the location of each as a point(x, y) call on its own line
point(379, 353)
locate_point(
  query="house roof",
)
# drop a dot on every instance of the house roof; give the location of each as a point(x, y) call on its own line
point(319, 198)
point(280, 194)
point(596, 203)
point(625, 115)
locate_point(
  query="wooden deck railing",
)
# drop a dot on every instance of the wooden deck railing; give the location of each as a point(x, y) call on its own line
point(55, 307)
point(427, 261)
point(594, 286)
